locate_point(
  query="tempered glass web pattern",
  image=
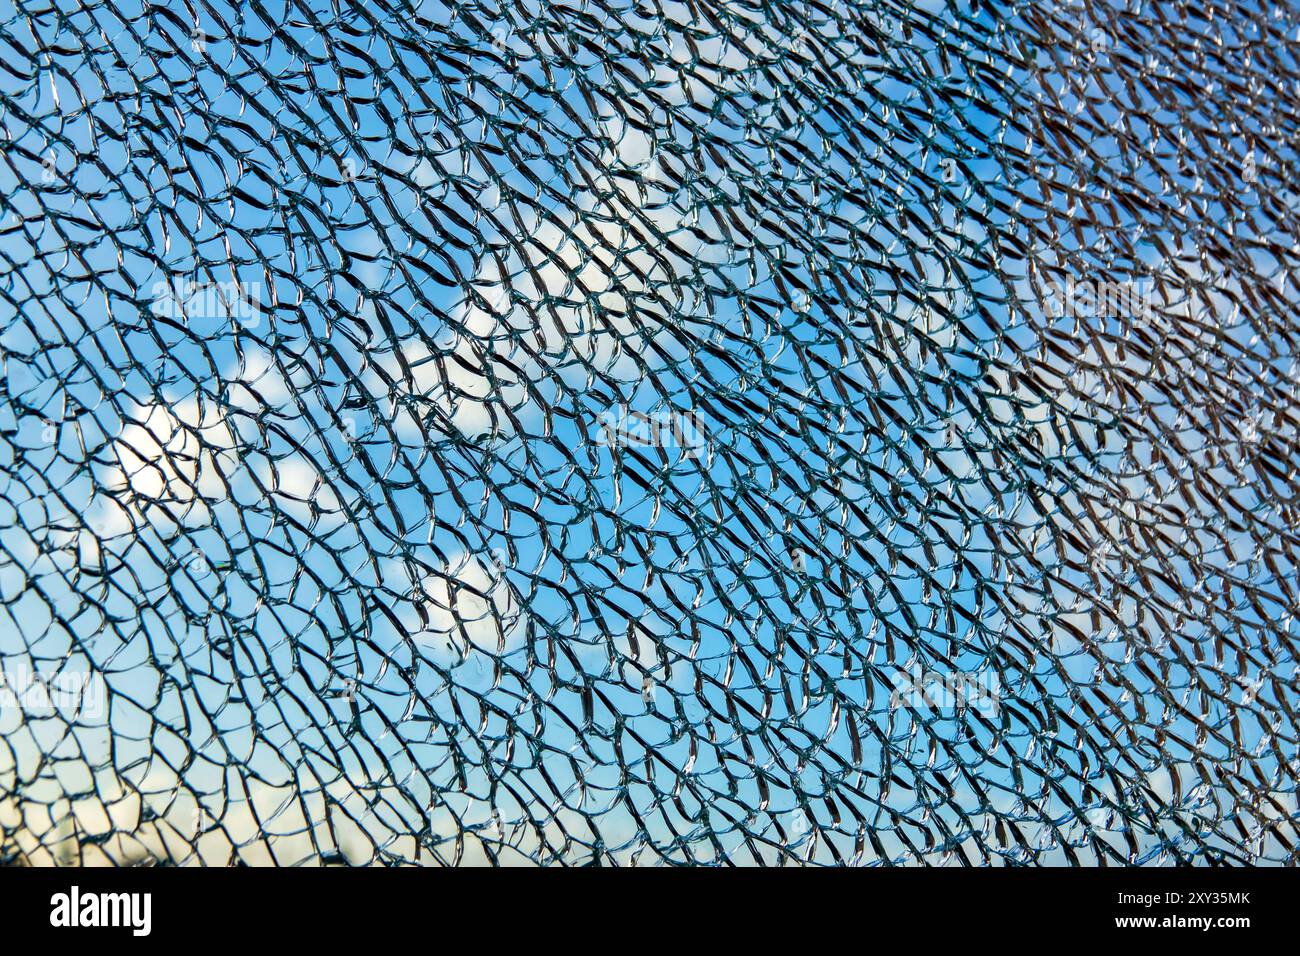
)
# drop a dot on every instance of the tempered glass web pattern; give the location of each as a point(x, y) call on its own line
point(648, 432)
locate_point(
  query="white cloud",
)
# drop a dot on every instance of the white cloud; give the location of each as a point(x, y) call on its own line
point(469, 610)
point(172, 455)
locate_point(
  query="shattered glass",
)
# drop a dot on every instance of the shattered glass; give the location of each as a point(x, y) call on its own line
point(731, 432)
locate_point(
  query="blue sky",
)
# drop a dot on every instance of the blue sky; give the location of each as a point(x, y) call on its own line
point(332, 473)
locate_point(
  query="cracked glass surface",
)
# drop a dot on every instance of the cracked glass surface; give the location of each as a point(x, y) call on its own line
point(648, 433)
